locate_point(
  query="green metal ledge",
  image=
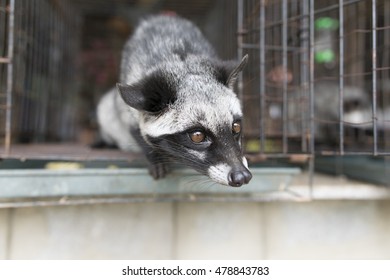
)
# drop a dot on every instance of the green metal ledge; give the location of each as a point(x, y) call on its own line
point(32, 184)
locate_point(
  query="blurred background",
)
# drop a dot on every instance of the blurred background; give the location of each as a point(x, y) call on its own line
point(316, 97)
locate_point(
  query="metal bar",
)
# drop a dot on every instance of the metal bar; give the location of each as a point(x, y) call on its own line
point(39, 54)
point(374, 78)
point(240, 27)
point(311, 93)
point(304, 55)
point(322, 153)
point(295, 60)
point(269, 47)
point(8, 121)
point(341, 77)
point(262, 75)
point(319, 11)
point(27, 90)
point(54, 69)
point(311, 78)
point(3, 20)
point(45, 63)
point(98, 157)
point(66, 126)
point(62, 65)
point(386, 76)
point(20, 59)
point(311, 99)
point(284, 83)
point(368, 153)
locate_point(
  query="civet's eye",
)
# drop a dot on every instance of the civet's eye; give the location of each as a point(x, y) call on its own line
point(236, 127)
point(197, 136)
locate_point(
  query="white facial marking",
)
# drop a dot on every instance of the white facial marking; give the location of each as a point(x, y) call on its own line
point(219, 173)
point(245, 162)
point(199, 155)
point(356, 117)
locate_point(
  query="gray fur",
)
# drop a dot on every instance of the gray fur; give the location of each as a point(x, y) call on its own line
point(168, 60)
point(160, 40)
point(114, 119)
point(150, 50)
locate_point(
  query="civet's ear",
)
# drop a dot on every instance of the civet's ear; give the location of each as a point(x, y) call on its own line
point(152, 94)
point(234, 74)
point(227, 71)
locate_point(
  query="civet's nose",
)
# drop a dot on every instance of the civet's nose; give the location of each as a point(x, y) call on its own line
point(239, 177)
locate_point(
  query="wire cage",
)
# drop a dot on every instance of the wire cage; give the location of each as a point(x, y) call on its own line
point(39, 44)
point(318, 79)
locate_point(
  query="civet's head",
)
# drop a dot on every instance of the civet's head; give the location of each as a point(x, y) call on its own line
point(190, 113)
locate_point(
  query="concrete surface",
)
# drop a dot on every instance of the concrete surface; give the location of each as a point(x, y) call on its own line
point(328, 230)
point(4, 215)
point(347, 220)
point(206, 230)
point(219, 231)
point(132, 231)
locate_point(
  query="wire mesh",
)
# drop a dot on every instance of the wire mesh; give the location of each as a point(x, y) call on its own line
point(39, 78)
point(319, 73)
